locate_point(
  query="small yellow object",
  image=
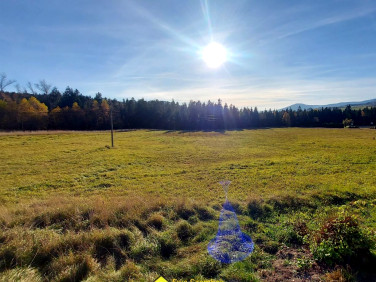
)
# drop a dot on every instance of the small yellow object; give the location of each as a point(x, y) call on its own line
point(161, 279)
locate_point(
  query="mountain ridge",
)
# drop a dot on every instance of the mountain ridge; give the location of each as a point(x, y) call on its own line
point(365, 103)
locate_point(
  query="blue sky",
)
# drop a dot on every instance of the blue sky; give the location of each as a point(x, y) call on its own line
point(280, 52)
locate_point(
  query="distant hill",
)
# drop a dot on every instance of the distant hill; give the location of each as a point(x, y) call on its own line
point(366, 103)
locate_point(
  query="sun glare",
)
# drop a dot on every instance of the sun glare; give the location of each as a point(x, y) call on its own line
point(214, 55)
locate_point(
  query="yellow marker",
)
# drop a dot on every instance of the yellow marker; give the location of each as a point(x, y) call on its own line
point(161, 279)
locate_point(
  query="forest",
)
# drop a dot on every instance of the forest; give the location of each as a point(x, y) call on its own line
point(71, 110)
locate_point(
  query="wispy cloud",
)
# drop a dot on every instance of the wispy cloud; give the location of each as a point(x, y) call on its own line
point(276, 93)
point(295, 24)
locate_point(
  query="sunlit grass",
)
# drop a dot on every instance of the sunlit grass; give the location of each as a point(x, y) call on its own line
point(73, 208)
point(261, 163)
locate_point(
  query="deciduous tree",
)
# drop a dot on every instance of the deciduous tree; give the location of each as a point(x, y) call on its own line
point(5, 82)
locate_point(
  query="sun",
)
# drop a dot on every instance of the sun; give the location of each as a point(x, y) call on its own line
point(214, 55)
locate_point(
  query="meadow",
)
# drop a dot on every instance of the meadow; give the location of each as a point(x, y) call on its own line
point(74, 209)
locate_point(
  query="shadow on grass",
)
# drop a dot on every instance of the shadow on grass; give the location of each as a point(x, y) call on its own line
point(222, 131)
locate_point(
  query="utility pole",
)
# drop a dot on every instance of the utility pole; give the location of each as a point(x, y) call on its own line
point(112, 128)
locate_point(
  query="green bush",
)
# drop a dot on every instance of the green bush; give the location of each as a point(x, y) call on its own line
point(340, 240)
point(287, 234)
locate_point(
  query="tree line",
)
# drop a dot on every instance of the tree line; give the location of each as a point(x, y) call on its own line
point(51, 109)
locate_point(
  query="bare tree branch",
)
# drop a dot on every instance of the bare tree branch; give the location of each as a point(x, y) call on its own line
point(18, 88)
point(4, 82)
point(31, 88)
point(43, 86)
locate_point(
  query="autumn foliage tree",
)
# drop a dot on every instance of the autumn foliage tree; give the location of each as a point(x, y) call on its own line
point(32, 114)
point(73, 111)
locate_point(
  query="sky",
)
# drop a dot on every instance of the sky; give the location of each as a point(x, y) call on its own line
point(279, 52)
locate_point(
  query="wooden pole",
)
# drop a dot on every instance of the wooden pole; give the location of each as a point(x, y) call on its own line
point(112, 129)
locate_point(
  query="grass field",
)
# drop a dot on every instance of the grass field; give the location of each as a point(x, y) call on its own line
point(74, 209)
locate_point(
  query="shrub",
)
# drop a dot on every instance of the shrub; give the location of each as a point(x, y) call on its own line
point(288, 234)
point(340, 239)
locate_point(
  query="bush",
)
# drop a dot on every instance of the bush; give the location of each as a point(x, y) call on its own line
point(287, 234)
point(340, 240)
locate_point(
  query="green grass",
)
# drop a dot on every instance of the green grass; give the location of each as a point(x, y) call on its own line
point(261, 163)
point(153, 201)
